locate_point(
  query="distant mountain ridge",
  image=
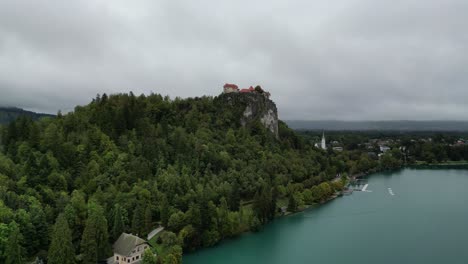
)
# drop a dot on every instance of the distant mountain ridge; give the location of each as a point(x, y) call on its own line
point(8, 114)
point(397, 125)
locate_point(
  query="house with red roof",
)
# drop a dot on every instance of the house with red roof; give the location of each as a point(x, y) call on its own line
point(230, 88)
point(248, 90)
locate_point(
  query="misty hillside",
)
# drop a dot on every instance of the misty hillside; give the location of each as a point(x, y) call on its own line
point(8, 114)
point(379, 125)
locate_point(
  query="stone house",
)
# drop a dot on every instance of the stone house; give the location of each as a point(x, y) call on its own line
point(129, 249)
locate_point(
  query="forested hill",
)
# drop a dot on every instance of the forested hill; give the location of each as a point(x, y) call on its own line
point(8, 114)
point(69, 186)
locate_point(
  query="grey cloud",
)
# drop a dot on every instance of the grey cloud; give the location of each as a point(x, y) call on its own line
point(346, 59)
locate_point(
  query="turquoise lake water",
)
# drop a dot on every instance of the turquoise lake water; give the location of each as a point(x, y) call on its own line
point(424, 221)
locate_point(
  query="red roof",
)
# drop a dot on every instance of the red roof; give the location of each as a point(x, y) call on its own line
point(229, 85)
point(245, 91)
point(251, 88)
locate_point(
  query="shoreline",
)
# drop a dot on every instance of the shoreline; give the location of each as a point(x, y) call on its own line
point(333, 197)
point(311, 206)
point(299, 233)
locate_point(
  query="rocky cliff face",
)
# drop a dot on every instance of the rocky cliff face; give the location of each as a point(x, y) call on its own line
point(255, 107)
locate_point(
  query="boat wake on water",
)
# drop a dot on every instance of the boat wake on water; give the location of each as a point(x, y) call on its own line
point(364, 189)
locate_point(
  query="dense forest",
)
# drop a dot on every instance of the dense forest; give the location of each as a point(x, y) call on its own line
point(9, 114)
point(70, 185)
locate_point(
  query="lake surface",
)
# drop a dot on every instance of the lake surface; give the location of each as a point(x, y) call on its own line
point(424, 221)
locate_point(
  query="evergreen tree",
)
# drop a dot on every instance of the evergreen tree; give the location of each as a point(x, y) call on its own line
point(273, 206)
point(118, 226)
point(61, 249)
point(94, 243)
point(39, 221)
point(292, 203)
point(14, 250)
point(148, 218)
point(165, 211)
point(223, 219)
point(263, 202)
point(4, 234)
point(194, 216)
point(137, 220)
point(235, 198)
point(76, 212)
point(89, 245)
point(23, 218)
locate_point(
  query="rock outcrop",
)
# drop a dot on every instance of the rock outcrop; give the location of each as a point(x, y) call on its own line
point(255, 107)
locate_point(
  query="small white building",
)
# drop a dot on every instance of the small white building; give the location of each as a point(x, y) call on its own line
point(339, 149)
point(384, 149)
point(129, 249)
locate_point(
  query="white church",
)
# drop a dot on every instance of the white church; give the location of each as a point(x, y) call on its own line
point(323, 144)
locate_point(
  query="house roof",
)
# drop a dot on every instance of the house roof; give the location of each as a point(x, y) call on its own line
point(126, 243)
point(230, 85)
point(245, 91)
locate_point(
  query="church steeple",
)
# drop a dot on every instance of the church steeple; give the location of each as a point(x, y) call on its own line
point(324, 142)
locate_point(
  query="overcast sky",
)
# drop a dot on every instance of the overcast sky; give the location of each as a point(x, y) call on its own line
point(320, 59)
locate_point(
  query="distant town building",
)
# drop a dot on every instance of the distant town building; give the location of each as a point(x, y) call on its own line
point(129, 249)
point(338, 149)
point(384, 148)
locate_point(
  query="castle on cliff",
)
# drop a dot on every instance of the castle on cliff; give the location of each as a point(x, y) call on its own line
point(232, 88)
